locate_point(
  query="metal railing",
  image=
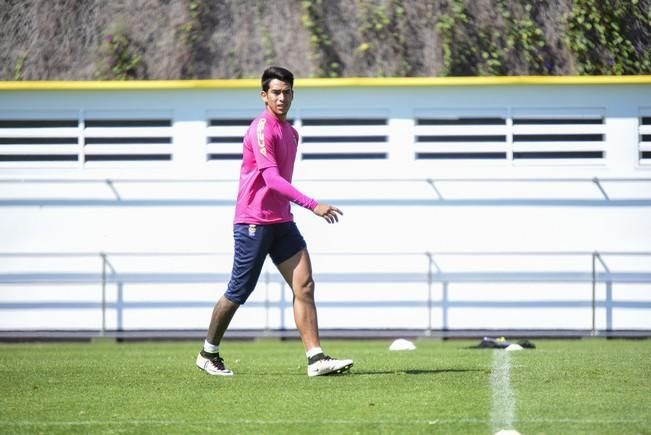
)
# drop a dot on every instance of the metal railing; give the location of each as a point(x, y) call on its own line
point(598, 272)
point(115, 189)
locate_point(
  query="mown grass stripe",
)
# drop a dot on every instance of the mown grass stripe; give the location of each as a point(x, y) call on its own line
point(334, 422)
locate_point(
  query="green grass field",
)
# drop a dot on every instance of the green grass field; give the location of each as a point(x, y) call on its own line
point(586, 386)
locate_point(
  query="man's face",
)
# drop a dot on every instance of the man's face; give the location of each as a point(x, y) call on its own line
point(278, 98)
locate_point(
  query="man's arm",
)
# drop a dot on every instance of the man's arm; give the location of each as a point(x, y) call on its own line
point(278, 184)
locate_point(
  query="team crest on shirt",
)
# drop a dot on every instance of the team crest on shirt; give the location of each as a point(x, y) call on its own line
point(260, 132)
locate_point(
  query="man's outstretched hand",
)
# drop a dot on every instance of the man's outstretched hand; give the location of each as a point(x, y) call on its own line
point(328, 212)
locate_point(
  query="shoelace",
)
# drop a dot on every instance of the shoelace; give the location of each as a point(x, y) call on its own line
point(218, 362)
point(325, 358)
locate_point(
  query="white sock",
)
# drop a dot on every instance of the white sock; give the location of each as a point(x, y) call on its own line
point(209, 347)
point(314, 351)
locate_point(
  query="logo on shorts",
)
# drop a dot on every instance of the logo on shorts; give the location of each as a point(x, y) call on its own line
point(252, 229)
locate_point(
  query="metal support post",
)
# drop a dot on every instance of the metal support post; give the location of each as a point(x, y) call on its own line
point(445, 305)
point(283, 302)
point(267, 329)
point(102, 332)
point(428, 331)
point(594, 293)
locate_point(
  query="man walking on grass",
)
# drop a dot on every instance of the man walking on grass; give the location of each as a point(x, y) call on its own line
point(264, 225)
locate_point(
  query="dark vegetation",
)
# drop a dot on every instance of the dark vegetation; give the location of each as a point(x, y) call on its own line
point(203, 39)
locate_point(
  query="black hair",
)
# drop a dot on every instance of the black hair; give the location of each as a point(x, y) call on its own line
point(276, 72)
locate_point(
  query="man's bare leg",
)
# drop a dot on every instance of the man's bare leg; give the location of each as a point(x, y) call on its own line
point(297, 271)
point(209, 359)
point(222, 314)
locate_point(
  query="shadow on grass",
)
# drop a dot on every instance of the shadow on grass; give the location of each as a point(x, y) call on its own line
point(417, 372)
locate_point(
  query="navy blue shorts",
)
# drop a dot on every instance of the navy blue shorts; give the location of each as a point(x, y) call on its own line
point(252, 244)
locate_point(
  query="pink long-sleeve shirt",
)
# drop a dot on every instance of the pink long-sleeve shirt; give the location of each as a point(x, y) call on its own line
point(268, 156)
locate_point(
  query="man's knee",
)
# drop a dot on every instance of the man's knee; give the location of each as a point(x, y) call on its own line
point(228, 304)
point(304, 289)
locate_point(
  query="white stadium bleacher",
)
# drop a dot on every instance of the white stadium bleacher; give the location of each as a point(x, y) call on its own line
point(469, 206)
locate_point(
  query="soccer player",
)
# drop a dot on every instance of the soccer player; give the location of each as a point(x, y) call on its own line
point(264, 225)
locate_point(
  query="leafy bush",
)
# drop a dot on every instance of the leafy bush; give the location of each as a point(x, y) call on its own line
point(610, 37)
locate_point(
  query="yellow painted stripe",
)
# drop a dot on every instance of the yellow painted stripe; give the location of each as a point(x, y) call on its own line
point(323, 83)
point(475, 81)
point(130, 85)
